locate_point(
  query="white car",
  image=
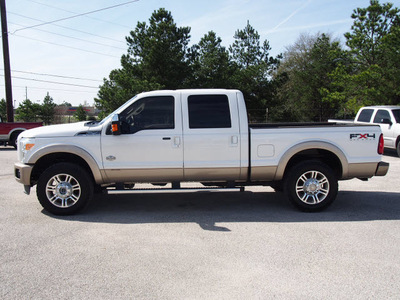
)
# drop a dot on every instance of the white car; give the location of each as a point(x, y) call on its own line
point(388, 118)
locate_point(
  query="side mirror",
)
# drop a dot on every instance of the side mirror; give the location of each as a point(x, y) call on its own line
point(115, 125)
point(386, 121)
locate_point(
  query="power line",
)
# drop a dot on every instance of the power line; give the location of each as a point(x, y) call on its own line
point(55, 82)
point(68, 28)
point(54, 75)
point(49, 89)
point(65, 46)
point(73, 12)
point(71, 37)
point(75, 16)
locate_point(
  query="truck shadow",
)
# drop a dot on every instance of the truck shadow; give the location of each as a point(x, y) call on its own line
point(208, 209)
point(5, 148)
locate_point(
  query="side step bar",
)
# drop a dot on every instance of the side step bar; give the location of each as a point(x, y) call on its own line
point(171, 190)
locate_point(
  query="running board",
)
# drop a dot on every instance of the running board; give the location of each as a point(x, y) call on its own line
point(171, 190)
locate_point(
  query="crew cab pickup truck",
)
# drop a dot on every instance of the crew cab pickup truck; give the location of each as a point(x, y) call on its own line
point(194, 136)
point(9, 131)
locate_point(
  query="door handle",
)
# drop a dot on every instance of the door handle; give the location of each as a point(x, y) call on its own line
point(234, 140)
point(177, 141)
point(166, 138)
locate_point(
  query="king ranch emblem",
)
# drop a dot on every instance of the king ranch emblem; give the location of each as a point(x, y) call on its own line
point(362, 136)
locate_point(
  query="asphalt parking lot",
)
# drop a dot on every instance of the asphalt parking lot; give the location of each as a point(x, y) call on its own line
point(251, 245)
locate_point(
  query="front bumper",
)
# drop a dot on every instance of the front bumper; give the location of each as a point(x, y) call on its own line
point(22, 173)
point(382, 168)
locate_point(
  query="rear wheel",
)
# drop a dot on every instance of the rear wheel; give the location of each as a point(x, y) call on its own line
point(311, 185)
point(13, 139)
point(398, 148)
point(64, 189)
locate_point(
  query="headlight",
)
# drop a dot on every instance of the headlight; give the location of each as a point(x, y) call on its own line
point(25, 145)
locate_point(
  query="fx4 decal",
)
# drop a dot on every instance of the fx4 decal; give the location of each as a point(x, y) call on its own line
point(362, 137)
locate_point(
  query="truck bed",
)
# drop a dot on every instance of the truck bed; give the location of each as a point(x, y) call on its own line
point(300, 124)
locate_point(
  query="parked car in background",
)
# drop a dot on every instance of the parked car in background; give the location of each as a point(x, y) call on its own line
point(9, 131)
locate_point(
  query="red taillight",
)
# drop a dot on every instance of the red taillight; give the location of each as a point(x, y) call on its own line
point(381, 145)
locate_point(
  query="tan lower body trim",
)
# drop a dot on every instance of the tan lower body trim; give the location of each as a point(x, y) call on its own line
point(263, 173)
point(212, 174)
point(363, 170)
point(169, 175)
point(143, 175)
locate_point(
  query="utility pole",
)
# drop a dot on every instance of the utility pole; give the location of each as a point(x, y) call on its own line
point(6, 58)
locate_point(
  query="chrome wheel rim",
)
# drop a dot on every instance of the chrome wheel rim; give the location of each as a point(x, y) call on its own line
point(63, 190)
point(312, 187)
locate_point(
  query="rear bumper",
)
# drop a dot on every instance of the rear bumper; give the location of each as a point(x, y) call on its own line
point(382, 168)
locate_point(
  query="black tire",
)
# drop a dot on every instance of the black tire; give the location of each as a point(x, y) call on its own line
point(311, 186)
point(398, 148)
point(64, 189)
point(277, 186)
point(13, 139)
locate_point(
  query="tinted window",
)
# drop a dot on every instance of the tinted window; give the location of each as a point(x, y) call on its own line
point(380, 115)
point(396, 113)
point(148, 113)
point(365, 115)
point(209, 111)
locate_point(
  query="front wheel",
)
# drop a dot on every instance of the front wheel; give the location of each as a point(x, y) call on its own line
point(64, 189)
point(398, 149)
point(311, 185)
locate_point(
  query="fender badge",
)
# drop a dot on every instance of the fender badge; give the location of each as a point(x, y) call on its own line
point(362, 137)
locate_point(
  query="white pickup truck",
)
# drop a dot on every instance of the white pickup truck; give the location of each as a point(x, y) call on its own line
point(194, 136)
point(388, 118)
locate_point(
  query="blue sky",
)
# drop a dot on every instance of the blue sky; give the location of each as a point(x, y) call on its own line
point(89, 47)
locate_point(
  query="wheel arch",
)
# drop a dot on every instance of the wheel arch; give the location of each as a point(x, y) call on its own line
point(50, 155)
point(322, 151)
point(13, 136)
point(16, 130)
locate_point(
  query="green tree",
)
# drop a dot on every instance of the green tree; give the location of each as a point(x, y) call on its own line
point(211, 63)
point(80, 113)
point(122, 85)
point(28, 111)
point(374, 43)
point(65, 103)
point(161, 49)
point(47, 110)
point(3, 109)
point(307, 87)
point(254, 70)
point(157, 58)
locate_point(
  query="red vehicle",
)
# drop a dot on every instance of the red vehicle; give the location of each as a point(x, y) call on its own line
point(9, 131)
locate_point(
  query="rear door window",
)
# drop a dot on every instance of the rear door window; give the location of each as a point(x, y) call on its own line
point(396, 113)
point(380, 115)
point(365, 115)
point(209, 111)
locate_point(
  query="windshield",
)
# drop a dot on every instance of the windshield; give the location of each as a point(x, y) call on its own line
point(396, 113)
point(118, 110)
